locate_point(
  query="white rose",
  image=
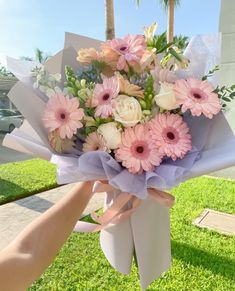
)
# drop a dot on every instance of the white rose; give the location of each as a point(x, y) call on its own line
point(111, 134)
point(127, 110)
point(166, 97)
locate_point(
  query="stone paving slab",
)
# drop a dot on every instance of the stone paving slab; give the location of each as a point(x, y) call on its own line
point(15, 216)
point(218, 221)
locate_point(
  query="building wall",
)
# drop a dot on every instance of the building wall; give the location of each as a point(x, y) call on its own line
point(227, 27)
point(227, 66)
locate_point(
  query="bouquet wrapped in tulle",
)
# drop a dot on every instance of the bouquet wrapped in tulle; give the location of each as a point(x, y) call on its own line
point(139, 115)
point(127, 103)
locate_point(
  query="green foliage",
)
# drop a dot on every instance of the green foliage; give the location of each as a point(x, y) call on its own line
point(226, 94)
point(22, 179)
point(76, 87)
point(159, 42)
point(98, 66)
point(71, 80)
point(93, 72)
point(89, 111)
point(202, 259)
point(164, 3)
point(175, 54)
point(40, 57)
point(100, 120)
point(211, 73)
point(181, 41)
point(4, 72)
point(146, 102)
point(97, 122)
point(87, 130)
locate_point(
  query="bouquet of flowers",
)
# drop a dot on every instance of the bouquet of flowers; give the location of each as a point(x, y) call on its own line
point(135, 113)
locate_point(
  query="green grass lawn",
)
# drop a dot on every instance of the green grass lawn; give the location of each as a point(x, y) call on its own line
point(202, 260)
point(21, 179)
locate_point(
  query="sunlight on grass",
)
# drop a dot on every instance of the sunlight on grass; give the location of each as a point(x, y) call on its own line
point(202, 259)
point(21, 179)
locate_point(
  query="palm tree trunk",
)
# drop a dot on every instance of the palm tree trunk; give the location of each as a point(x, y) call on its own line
point(109, 18)
point(170, 25)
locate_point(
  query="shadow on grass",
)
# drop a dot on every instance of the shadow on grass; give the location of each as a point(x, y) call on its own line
point(10, 192)
point(217, 264)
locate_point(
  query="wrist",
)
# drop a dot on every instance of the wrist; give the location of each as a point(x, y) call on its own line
point(84, 187)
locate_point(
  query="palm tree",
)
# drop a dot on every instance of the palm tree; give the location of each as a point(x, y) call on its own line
point(181, 41)
point(109, 19)
point(40, 57)
point(168, 5)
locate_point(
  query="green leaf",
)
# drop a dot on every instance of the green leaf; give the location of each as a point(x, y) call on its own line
point(164, 48)
point(175, 54)
point(226, 99)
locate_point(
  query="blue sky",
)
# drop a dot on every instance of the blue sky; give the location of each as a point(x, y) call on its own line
point(27, 24)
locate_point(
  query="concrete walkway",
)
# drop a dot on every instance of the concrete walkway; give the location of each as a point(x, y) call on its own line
point(16, 215)
point(8, 155)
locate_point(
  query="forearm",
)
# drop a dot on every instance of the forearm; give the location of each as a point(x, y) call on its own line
point(38, 244)
point(50, 230)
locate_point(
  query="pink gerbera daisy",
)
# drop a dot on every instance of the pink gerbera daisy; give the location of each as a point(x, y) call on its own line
point(170, 134)
point(64, 114)
point(94, 142)
point(197, 96)
point(103, 95)
point(121, 52)
point(137, 151)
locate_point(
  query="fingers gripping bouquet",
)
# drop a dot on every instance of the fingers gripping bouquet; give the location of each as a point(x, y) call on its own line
point(133, 112)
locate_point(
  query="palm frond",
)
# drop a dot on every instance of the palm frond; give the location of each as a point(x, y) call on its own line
point(165, 3)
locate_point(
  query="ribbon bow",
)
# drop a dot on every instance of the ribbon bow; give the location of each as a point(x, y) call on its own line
point(122, 207)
